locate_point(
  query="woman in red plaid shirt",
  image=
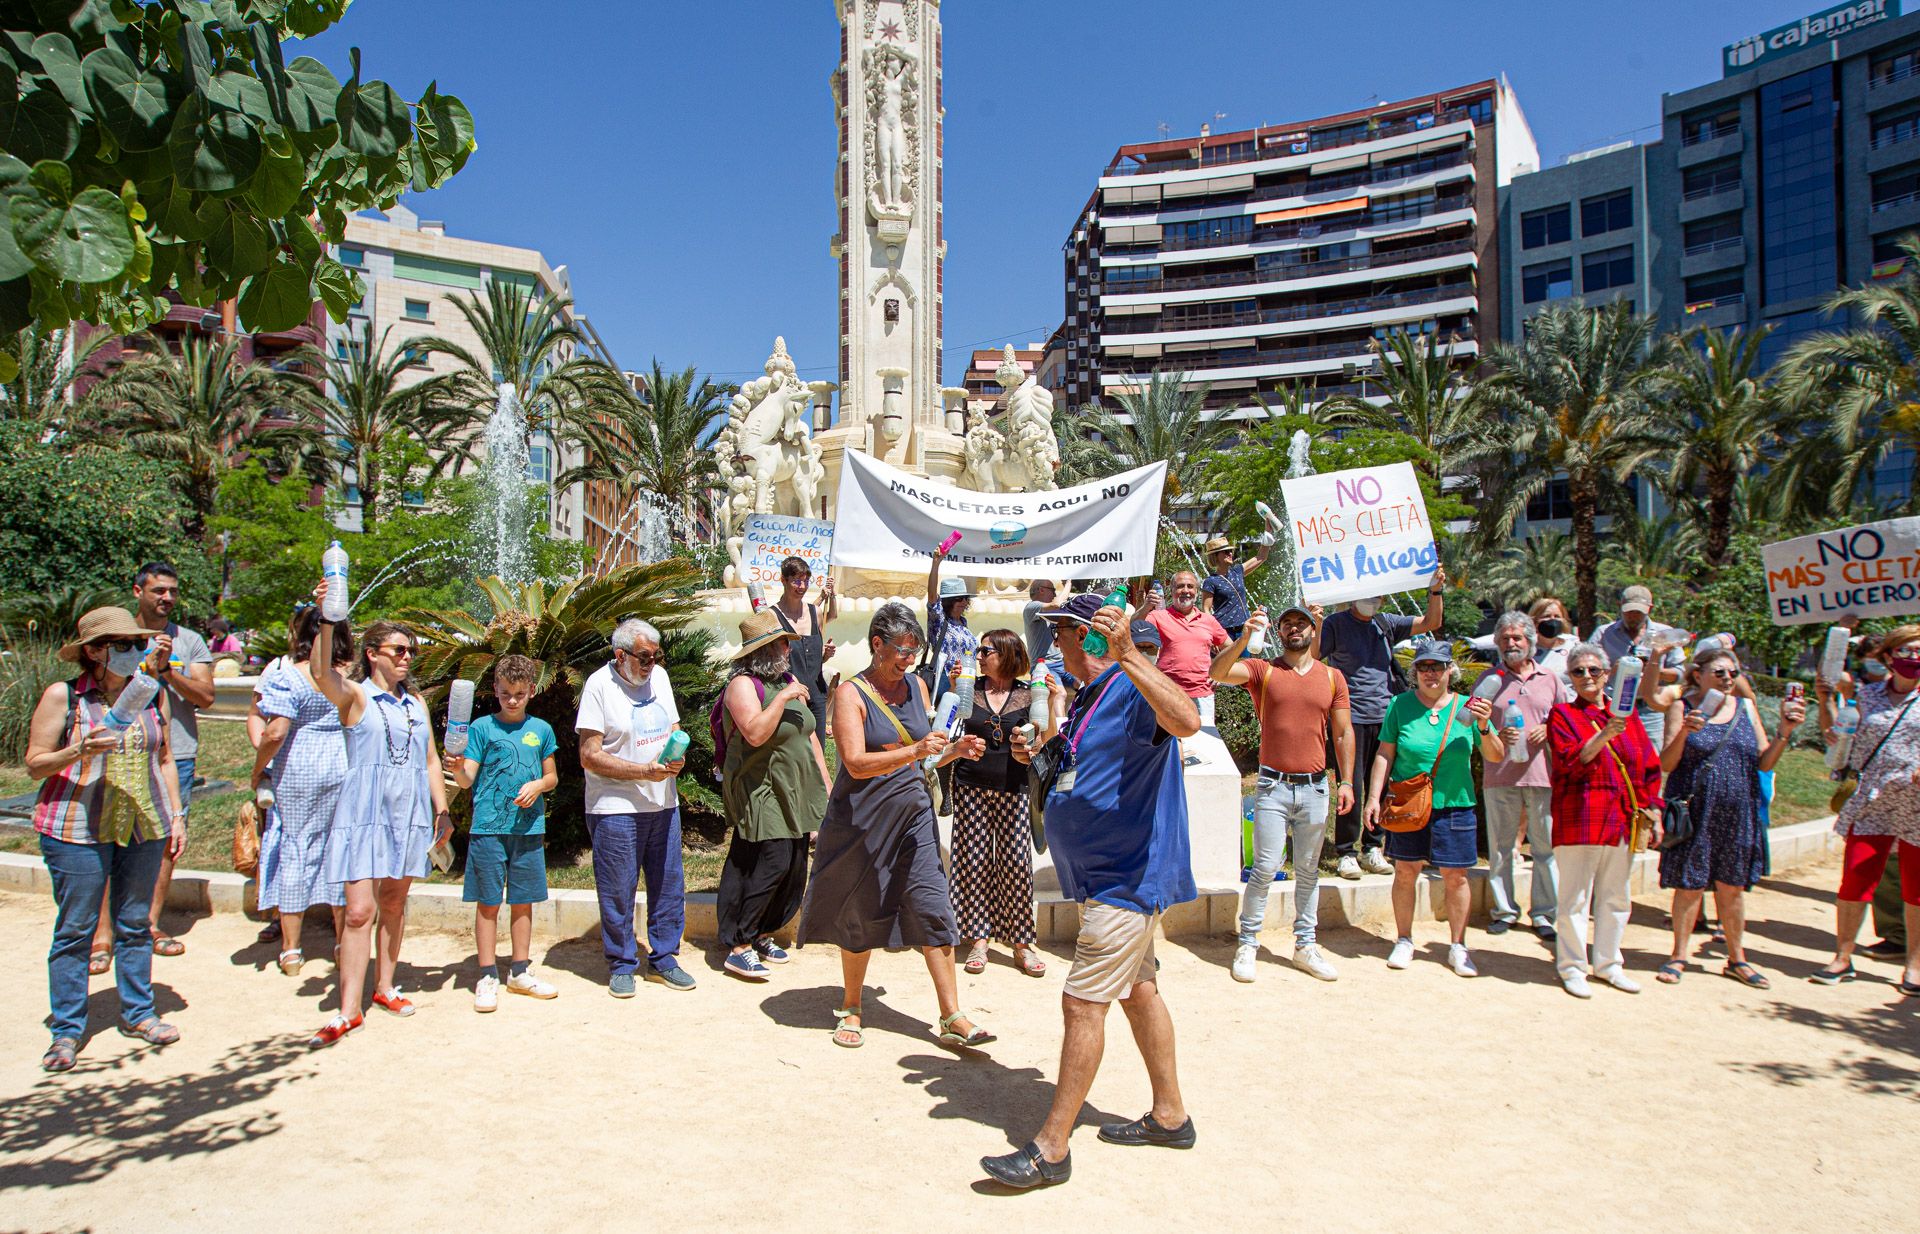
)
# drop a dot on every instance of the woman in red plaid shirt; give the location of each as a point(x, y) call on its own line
point(1605, 772)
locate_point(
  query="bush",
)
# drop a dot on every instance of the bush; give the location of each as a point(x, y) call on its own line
point(1233, 716)
point(26, 670)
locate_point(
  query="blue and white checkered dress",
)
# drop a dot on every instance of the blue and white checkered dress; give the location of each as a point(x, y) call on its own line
point(307, 774)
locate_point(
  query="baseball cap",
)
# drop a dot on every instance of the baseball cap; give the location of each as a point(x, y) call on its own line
point(1432, 651)
point(1144, 633)
point(1290, 609)
point(1080, 609)
point(1636, 600)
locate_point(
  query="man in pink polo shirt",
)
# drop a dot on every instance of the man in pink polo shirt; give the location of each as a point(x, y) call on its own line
point(1188, 640)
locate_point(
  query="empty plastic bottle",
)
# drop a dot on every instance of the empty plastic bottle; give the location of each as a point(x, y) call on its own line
point(1626, 684)
point(1038, 713)
point(1833, 657)
point(1095, 642)
point(1846, 722)
point(459, 715)
point(1515, 733)
point(333, 568)
point(134, 697)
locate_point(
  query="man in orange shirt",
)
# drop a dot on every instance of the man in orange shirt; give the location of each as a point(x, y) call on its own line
point(1188, 639)
point(1299, 702)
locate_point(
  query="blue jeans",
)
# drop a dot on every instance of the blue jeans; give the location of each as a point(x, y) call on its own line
point(1283, 812)
point(625, 847)
point(183, 769)
point(82, 874)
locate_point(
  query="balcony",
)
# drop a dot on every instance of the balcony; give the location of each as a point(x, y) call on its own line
point(1711, 131)
point(1895, 201)
point(1900, 71)
point(1284, 274)
point(1707, 200)
point(1305, 189)
point(1313, 144)
point(1359, 351)
point(1290, 313)
point(1713, 255)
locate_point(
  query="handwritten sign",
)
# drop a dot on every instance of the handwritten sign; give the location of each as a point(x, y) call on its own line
point(770, 539)
point(1360, 533)
point(1871, 570)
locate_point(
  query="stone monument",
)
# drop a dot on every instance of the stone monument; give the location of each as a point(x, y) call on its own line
point(1010, 447)
point(767, 451)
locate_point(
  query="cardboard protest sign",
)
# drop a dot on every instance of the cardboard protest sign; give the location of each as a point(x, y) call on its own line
point(769, 539)
point(1360, 533)
point(895, 519)
point(1869, 570)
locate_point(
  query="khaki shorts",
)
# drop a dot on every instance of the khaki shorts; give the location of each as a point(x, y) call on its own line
point(1113, 953)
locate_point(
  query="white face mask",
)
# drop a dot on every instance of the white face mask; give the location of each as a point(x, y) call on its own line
point(1365, 609)
point(125, 663)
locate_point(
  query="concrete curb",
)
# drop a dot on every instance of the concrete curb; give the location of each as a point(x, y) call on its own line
point(572, 913)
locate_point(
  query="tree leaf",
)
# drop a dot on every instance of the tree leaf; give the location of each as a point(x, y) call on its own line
point(213, 149)
point(312, 92)
point(337, 287)
point(132, 104)
point(38, 124)
point(239, 243)
point(61, 65)
point(305, 243)
point(85, 237)
point(307, 18)
point(276, 298)
point(13, 262)
point(373, 119)
point(443, 138)
point(276, 187)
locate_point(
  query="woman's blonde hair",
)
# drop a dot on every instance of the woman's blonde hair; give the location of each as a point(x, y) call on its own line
point(1899, 636)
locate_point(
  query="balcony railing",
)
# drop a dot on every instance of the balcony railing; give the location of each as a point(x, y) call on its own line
point(1898, 199)
point(1203, 361)
point(1709, 132)
point(1899, 72)
point(1303, 188)
point(1306, 229)
point(1714, 246)
point(1897, 134)
point(1721, 301)
point(1296, 312)
point(1313, 269)
point(1710, 190)
point(1312, 143)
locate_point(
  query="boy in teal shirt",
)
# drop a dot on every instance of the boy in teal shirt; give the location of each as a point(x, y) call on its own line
point(508, 763)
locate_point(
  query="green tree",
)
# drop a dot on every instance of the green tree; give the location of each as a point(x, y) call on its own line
point(1649, 549)
point(1579, 393)
point(1164, 422)
point(1427, 398)
point(660, 443)
point(1728, 420)
point(1539, 565)
point(375, 402)
point(195, 410)
point(42, 390)
point(168, 145)
point(1858, 391)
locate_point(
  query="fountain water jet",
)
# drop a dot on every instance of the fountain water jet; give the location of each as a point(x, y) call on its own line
point(505, 475)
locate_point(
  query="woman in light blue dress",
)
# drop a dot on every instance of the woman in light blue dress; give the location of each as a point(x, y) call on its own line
point(303, 756)
point(391, 812)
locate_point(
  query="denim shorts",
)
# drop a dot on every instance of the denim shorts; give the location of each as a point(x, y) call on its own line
point(515, 865)
point(1450, 840)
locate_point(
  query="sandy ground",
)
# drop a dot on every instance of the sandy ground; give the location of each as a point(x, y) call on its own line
point(1389, 1101)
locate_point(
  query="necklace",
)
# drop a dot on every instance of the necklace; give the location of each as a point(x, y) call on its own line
point(1433, 713)
point(404, 755)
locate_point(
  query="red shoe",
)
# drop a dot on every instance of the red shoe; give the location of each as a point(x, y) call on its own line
point(333, 1030)
point(395, 1003)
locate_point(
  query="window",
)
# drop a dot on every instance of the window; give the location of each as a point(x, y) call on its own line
point(417, 310)
point(1708, 126)
point(1550, 280)
point(1712, 290)
point(1890, 129)
point(356, 258)
point(1405, 206)
point(1888, 69)
point(1889, 258)
point(539, 464)
point(1554, 225)
point(1480, 111)
point(1896, 188)
point(1606, 269)
point(1600, 215)
point(414, 357)
point(1551, 502)
point(1713, 178)
point(1706, 235)
point(1207, 232)
point(1119, 276)
point(1799, 240)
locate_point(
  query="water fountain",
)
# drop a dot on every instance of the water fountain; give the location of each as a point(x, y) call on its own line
point(410, 557)
point(504, 550)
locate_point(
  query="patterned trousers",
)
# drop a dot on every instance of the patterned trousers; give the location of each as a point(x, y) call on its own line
point(992, 864)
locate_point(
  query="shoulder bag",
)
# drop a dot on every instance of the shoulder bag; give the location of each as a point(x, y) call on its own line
point(1850, 783)
point(927, 774)
point(1636, 825)
point(1407, 804)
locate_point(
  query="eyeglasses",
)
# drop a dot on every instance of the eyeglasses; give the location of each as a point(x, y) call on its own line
point(1063, 628)
point(645, 659)
point(120, 645)
point(1431, 668)
point(1590, 671)
point(1728, 673)
point(902, 649)
point(399, 651)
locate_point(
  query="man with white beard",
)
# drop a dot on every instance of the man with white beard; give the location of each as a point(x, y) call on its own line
point(1516, 789)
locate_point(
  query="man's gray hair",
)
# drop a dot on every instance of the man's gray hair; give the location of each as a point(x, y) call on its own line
point(1589, 651)
point(633, 631)
point(1517, 620)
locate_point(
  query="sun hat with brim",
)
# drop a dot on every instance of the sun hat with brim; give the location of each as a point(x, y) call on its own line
point(1433, 651)
point(1218, 544)
point(760, 629)
point(1079, 610)
point(954, 589)
point(99, 623)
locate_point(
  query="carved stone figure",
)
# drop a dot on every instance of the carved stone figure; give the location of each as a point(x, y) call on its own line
point(892, 139)
point(767, 449)
point(1011, 448)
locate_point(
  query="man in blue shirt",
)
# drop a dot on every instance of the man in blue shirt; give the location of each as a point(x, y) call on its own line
point(1116, 821)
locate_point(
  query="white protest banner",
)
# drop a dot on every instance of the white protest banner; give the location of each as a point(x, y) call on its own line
point(893, 520)
point(769, 539)
point(1360, 533)
point(1872, 570)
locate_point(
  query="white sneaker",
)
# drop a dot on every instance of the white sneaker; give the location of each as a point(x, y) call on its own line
point(486, 993)
point(530, 985)
point(1402, 953)
point(1308, 958)
point(1348, 867)
point(1461, 962)
point(1373, 861)
point(1243, 960)
point(1576, 985)
point(1619, 980)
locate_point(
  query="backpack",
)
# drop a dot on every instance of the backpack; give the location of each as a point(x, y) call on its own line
point(716, 724)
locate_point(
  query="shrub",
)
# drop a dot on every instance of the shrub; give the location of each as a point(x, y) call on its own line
point(26, 670)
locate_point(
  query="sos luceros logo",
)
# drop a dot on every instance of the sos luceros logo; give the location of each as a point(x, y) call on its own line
point(1007, 533)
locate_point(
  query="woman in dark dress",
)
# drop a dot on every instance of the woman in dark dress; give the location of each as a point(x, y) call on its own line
point(877, 880)
point(1715, 762)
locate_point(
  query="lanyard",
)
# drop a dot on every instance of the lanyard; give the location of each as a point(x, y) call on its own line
point(1086, 717)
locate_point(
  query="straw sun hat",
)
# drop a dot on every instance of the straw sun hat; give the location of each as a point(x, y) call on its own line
point(99, 623)
point(759, 629)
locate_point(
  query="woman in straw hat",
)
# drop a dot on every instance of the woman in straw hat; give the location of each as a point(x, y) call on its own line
point(109, 808)
point(774, 783)
point(877, 880)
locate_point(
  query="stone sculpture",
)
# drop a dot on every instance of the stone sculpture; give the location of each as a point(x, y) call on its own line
point(1011, 447)
point(767, 450)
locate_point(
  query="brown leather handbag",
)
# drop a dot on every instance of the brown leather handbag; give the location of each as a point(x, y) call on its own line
point(246, 840)
point(1408, 804)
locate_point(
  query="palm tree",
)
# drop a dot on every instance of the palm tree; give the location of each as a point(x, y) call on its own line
point(374, 403)
point(1652, 547)
point(1579, 395)
point(201, 409)
point(1427, 398)
point(1160, 423)
point(1861, 388)
point(43, 387)
point(1727, 421)
point(1540, 565)
point(659, 443)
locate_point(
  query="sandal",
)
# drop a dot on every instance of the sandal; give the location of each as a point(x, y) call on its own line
point(99, 960)
point(269, 933)
point(1671, 972)
point(851, 1036)
point(977, 959)
point(167, 944)
point(151, 1030)
point(1030, 964)
point(978, 1037)
point(1828, 976)
point(59, 1055)
point(291, 962)
point(1747, 975)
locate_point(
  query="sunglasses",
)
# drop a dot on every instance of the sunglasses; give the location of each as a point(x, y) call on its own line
point(121, 645)
point(1728, 673)
point(1431, 668)
point(399, 651)
point(1591, 671)
point(645, 659)
point(903, 649)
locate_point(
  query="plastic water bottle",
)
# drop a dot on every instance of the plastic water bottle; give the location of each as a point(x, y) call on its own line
point(757, 596)
point(1626, 683)
point(333, 568)
point(1846, 722)
point(1516, 734)
point(946, 545)
point(134, 697)
point(1095, 643)
point(1039, 711)
point(676, 747)
point(1711, 702)
point(459, 715)
point(1490, 684)
point(1833, 657)
point(964, 688)
point(946, 719)
point(1257, 642)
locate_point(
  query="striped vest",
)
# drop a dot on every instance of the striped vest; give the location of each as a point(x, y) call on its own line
point(116, 798)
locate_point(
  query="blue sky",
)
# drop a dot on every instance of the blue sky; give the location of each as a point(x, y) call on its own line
point(678, 156)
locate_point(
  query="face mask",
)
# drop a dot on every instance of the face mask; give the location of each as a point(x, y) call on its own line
point(125, 663)
point(1873, 670)
point(1551, 628)
point(1906, 670)
point(1364, 609)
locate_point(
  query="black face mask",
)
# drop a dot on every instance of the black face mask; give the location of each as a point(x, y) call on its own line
point(1551, 628)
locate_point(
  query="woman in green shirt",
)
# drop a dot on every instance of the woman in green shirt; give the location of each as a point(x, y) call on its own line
point(1410, 744)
